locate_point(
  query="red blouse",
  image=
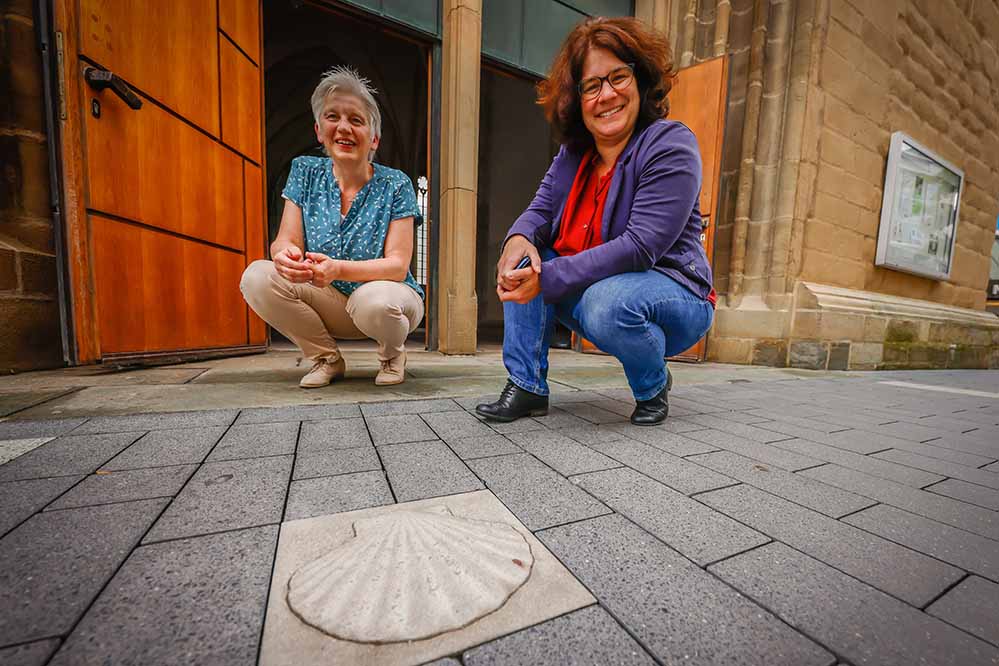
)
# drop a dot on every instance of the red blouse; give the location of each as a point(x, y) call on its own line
point(584, 209)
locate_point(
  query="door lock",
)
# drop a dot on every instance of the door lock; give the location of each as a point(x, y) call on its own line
point(99, 79)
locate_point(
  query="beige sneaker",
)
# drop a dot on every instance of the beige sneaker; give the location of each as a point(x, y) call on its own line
point(393, 371)
point(323, 372)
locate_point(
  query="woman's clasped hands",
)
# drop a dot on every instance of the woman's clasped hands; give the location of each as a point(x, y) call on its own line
point(518, 285)
point(313, 268)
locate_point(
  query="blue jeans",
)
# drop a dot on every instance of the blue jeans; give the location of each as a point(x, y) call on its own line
point(640, 318)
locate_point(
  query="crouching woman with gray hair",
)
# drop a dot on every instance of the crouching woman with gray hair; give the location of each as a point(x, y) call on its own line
point(341, 258)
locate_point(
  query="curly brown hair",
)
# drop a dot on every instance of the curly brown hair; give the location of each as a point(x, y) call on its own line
point(630, 40)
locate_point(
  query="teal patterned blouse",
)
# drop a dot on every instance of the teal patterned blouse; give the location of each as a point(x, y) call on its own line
point(361, 234)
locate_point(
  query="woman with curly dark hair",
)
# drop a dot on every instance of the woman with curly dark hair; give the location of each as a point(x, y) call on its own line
point(613, 233)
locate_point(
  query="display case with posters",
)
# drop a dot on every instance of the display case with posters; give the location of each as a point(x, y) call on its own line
point(919, 210)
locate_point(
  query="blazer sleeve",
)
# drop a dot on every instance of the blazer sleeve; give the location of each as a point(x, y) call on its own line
point(536, 222)
point(667, 188)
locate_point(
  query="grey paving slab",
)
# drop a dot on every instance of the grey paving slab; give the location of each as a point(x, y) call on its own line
point(620, 407)
point(967, 492)
point(560, 398)
point(13, 448)
point(742, 417)
point(594, 414)
point(858, 622)
point(483, 446)
point(664, 440)
point(948, 423)
point(335, 494)
point(796, 417)
point(675, 472)
point(931, 451)
point(226, 495)
point(314, 463)
point(861, 441)
point(157, 421)
point(399, 429)
point(967, 445)
point(255, 440)
point(963, 549)
point(558, 419)
point(192, 601)
point(446, 661)
point(884, 469)
point(743, 432)
point(994, 467)
point(53, 565)
point(125, 486)
point(298, 413)
point(426, 469)
point(29, 654)
point(910, 431)
point(772, 454)
point(943, 467)
point(825, 499)
point(159, 448)
point(21, 499)
point(973, 605)
point(587, 636)
point(42, 428)
point(678, 611)
point(455, 425)
point(67, 456)
point(698, 532)
point(566, 456)
point(943, 509)
point(520, 425)
point(591, 434)
point(400, 407)
point(901, 572)
point(534, 492)
point(347, 433)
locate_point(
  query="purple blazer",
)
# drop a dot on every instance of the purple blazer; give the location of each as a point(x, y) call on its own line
point(651, 219)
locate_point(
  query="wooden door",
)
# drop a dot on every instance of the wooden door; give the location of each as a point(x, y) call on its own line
point(165, 195)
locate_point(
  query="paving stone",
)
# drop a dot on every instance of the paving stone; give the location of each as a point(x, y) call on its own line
point(941, 453)
point(29, 654)
point(256, 440)
point(520, 425)
point(534, 492)
point(335, 494)
point(13, 448)
point(966, 445)
point(699, 533)
point(160, 421)
point(677, 473)
point(596, 415)
point(910, 431)
point(227, 495)
point(619, 407)
point(743, 432)
point(591, 434)
point(806, 492)
point(400, 407)
point(903, 573)
point(858, 622)
point(455, 425)
point(587, 636)
point(562, 397)
point(566, 456)
point(772, 454)
point(192, 601)
point(315, 463)
point(967, 492)
point(679, 612)
point(348, 433)
point(446, 661)
point(298, 413)
point(952, 470)
point(160, 448)
point(943, 509)
point(32, 429)
point(126, 486)
point(867, 464)
point(483, 446)
point(67, 456)
point(963, 549)
point(994, 467)
point(399, 429)
point(558, 419)
point(53, 565)
point(426, 469)
point(860, 441)
point(973, 605)
point(795, 418)
point(664, 440)
point(21, 499)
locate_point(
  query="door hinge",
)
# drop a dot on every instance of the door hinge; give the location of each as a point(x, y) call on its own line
point(61, 69)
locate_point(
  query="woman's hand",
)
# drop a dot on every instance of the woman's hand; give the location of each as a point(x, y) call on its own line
point(525, 292)
point(290, 265)
point(324, 269)
point(507, 277)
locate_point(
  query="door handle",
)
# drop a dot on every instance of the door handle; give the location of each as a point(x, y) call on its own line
point(99, 79)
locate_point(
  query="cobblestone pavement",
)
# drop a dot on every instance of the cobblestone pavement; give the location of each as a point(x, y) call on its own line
point(801, 521)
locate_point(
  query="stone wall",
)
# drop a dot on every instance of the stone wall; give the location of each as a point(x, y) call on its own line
point(29, 312)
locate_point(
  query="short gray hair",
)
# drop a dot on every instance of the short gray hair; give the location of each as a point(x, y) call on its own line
point(346, 80)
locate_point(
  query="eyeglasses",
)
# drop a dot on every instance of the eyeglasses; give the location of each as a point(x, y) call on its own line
point(619, 79)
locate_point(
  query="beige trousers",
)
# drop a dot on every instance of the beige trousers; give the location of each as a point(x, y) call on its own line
point(313, 317)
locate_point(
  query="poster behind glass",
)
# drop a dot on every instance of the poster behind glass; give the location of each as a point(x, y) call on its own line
point(919, 210)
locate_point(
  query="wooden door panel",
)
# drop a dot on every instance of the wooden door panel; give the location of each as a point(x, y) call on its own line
point(157, 292)
point(256, 239)
point(240, 101)
point(240, 20)
point(153, 168)
point(169, 50)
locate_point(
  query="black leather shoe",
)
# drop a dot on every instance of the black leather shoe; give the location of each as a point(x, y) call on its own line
point(654, 410)
point(514, 402)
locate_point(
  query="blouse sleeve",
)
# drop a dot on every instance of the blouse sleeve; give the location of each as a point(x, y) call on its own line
point(298, 183)
point(404, 202)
